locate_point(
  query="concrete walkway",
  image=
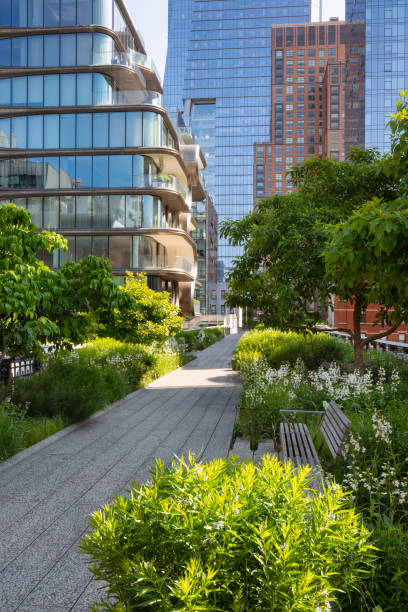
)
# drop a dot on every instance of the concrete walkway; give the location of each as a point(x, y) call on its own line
point(48, 491)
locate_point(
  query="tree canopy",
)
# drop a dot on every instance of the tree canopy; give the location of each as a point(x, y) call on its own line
point(343, 232)
point(39, 305)
point(150, 317)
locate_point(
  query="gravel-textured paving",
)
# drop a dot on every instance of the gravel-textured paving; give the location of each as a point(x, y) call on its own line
point(48, 491)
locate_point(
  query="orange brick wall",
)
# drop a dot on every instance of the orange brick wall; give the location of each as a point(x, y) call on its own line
point(343, 317)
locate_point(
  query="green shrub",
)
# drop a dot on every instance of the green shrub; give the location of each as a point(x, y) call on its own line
point(11, 432)
point(71, 386)
point(387, 585)
point(17, 431)
point(227, 536)
point(37, 429)
point(134, 360)
point(77, 384)
point(277, 348)
point(199, 339)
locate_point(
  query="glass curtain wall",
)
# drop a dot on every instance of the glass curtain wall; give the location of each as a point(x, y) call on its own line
point(220, 53)
point(54, 13)
point(386, 59)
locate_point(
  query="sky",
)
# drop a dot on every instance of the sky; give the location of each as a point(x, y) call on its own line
point(150, 18)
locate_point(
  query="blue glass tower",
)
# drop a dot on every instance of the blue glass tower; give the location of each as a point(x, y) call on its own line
point(219, 68)
point(386, 61)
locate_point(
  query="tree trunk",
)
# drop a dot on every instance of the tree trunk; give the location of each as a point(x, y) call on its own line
point(357, 341)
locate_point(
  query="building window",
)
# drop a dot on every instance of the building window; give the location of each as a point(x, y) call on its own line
point(222, 308)
point(213, 294)
point(213, 309)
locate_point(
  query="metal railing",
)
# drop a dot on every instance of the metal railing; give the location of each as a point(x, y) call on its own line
point(15, 368)
point(161, 181)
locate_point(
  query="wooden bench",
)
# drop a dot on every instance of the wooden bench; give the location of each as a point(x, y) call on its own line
point(298, 446)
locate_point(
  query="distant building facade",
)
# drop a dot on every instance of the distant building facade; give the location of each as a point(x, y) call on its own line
point(87, 146)
point(386, 74)
point(386, 62)
point(317, 100)
point(206, 238)
point(218, 72)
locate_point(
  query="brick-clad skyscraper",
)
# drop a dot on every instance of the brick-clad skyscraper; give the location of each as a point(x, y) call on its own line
point(317, 99)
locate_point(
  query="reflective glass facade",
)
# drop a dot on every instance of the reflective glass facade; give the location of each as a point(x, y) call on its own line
point(86, 145)
point(386, 62)
point(54, 13)
point(99, 211)
point(70, 89)
point(219, 55)
point(85, 130)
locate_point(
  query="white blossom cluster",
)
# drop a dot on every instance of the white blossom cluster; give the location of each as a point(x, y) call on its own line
point(382, 482)
point(336, 384)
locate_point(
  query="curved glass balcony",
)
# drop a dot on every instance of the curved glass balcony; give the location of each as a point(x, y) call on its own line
point(125, 252)
point(85, 130)
point(81, 49)
point(159, 181)
point(71, 89)
point(84, 172)
point(119, 211)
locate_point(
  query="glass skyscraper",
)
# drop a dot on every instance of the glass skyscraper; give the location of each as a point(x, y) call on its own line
point(386, 62)
point(218, 72)
point(86, 144)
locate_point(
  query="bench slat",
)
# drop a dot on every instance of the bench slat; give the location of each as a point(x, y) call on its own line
point(334, 427)
point(340, 414)
point(333, 446)
point(308, 442)
point(297, 444)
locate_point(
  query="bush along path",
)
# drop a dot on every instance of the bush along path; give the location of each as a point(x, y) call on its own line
point(48, 491)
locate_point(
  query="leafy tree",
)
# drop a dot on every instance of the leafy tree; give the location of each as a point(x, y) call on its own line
point(150, 316)
point(39, 305)
point(366, 259)
point(294, 246)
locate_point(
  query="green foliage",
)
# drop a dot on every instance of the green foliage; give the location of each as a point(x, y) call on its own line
point(397, 163)
point(341, 233)
point(227, 536)
point(78, 383)
point(277, 347)
point(199, 339)
point(365, 260)
point(388, 586)
point(150, 317)
point(72, 386)
point(281, 270)
point(373, 468)
point(133, 360)
point(38, 305)
point(17, 431)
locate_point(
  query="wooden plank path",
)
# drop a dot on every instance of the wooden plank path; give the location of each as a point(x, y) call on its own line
point(48, 491)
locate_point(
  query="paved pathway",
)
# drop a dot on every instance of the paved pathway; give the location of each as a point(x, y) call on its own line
point(48, 491)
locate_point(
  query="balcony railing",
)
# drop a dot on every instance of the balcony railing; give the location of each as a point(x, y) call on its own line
point(165, 263)
point(133, 59)
point(180, 263)
point(160, 181)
